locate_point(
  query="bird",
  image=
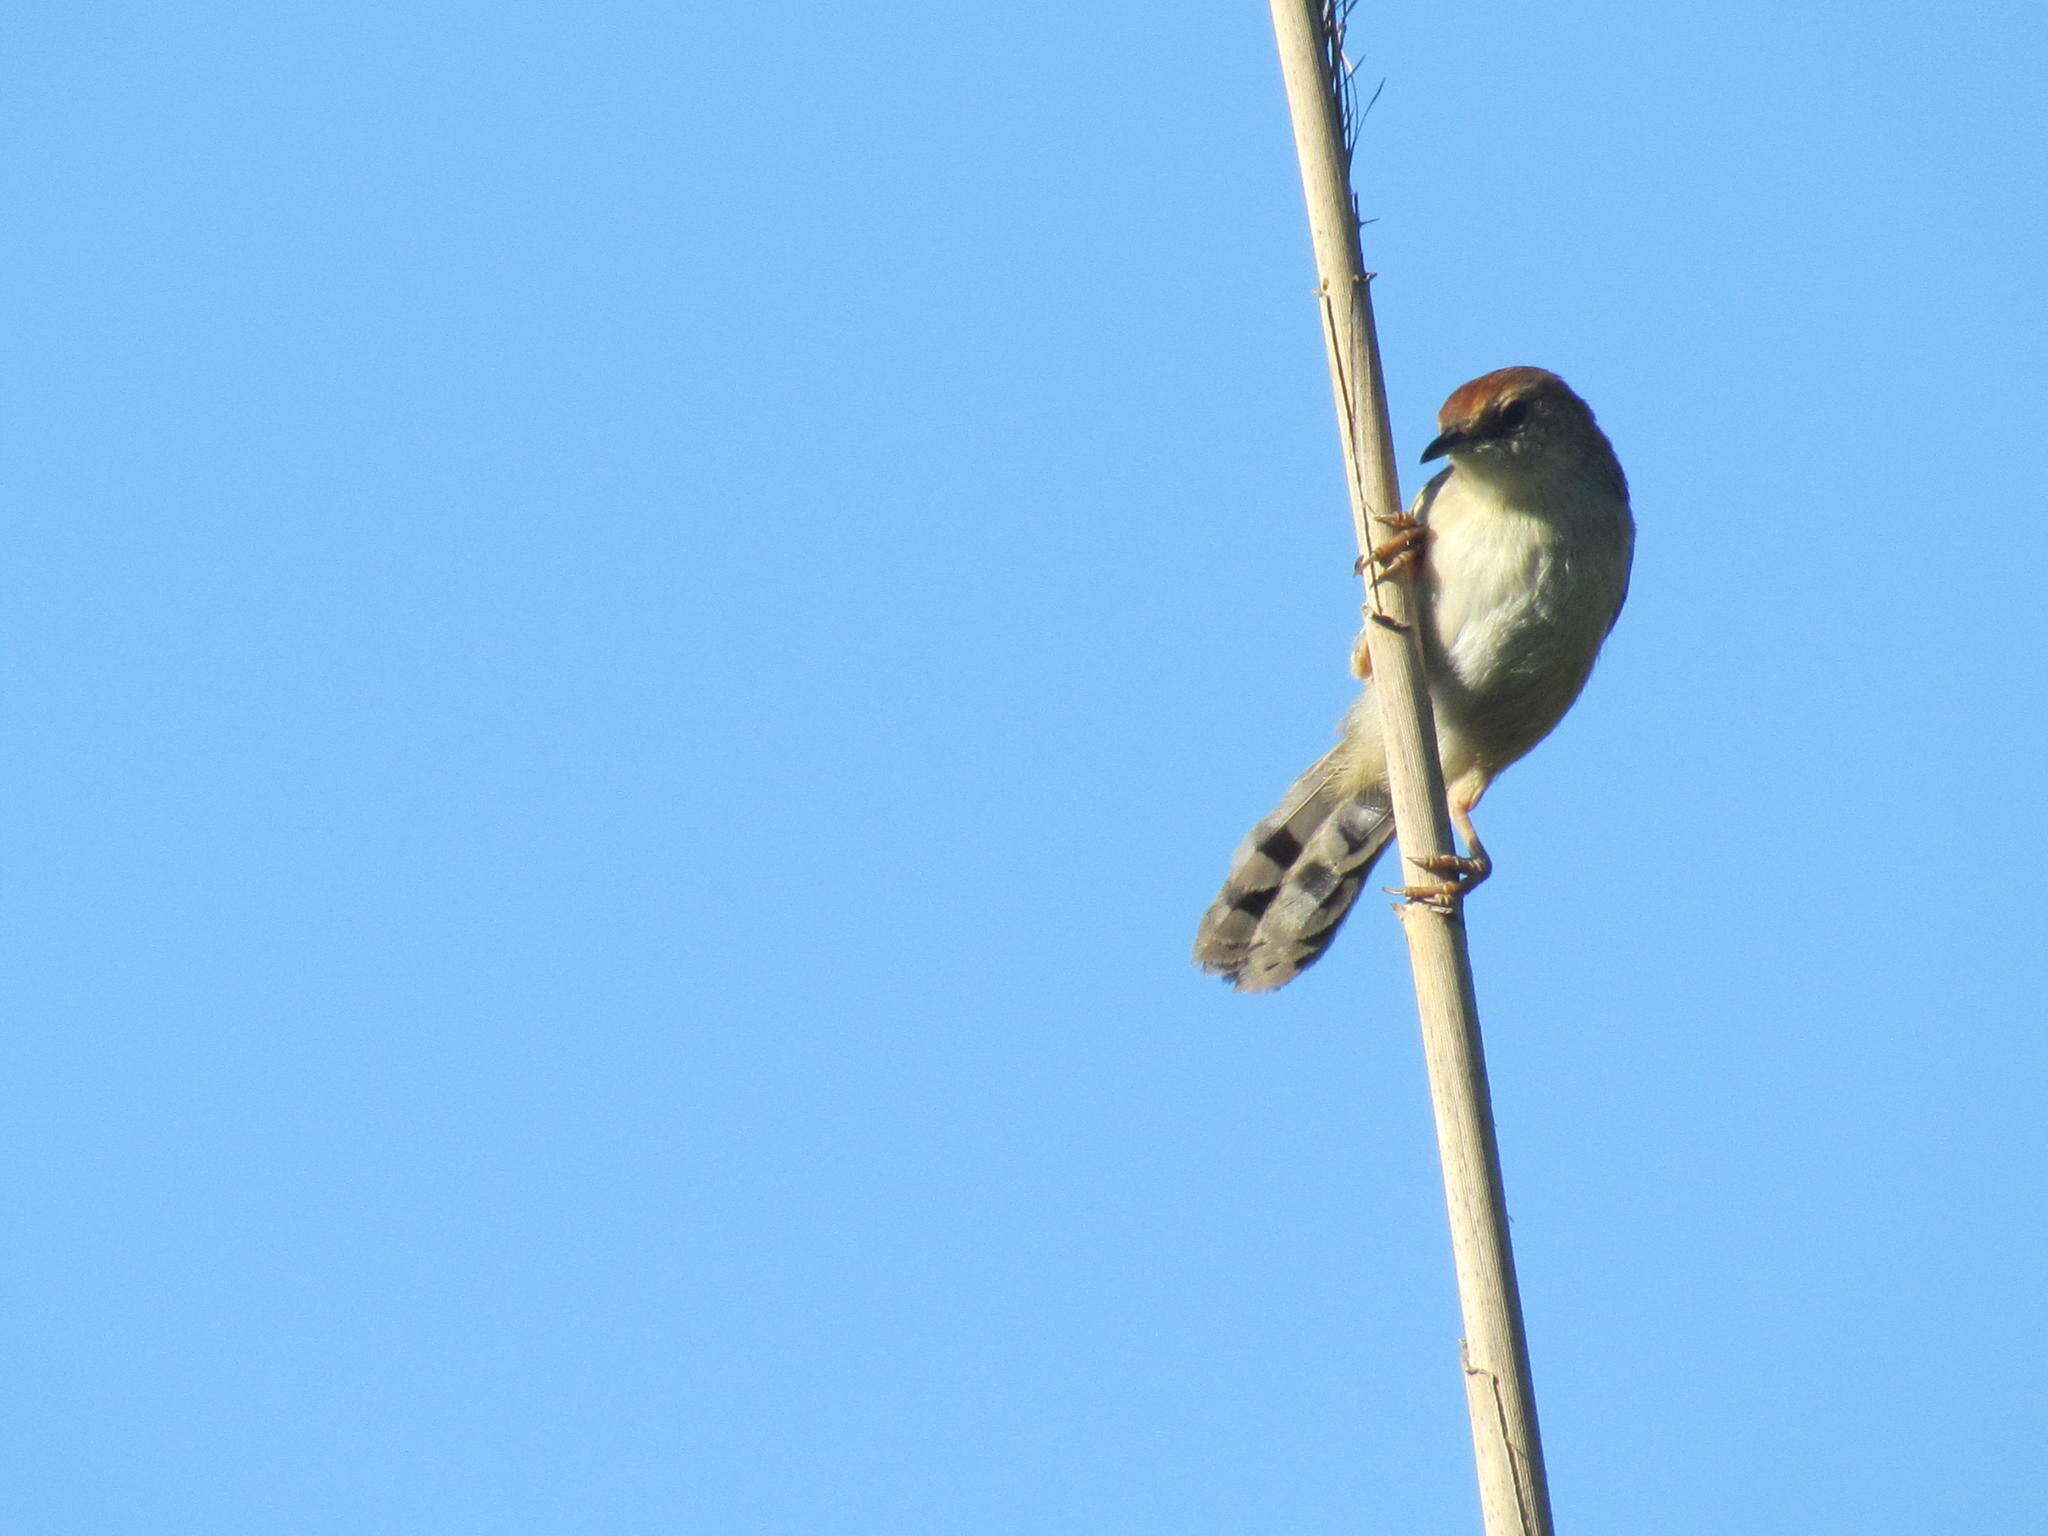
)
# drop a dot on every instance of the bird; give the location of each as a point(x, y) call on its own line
point(1521, 547)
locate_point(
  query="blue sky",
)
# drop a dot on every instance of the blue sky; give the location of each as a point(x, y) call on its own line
point(634, 635)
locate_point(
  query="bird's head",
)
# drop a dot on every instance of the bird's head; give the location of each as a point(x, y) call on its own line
point(1515, 419)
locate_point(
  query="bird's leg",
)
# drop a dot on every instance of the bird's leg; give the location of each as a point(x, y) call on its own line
point(1473, 869)
point(1403, 549)
point(1466, 872)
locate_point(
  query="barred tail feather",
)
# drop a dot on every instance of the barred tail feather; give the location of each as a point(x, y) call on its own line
point(1293, 879)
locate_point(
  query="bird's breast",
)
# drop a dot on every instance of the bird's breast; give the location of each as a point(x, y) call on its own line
point(1522, 588)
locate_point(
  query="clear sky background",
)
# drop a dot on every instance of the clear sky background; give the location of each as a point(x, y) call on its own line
point(634, 634)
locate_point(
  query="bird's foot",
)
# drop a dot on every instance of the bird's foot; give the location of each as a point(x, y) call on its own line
point(1466, 874)
point(1396, 553)
point(1468, 871)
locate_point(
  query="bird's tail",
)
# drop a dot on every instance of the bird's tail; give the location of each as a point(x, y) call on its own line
point(1293, 878)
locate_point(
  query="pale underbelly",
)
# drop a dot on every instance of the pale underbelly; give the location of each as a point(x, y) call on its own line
point(1513, 646)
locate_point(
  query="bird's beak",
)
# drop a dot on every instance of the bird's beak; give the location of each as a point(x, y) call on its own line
point(1442, 445)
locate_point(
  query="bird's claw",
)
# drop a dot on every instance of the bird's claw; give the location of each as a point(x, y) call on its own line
point(1443, 898)
point(1395, 553)
point(1465, 873)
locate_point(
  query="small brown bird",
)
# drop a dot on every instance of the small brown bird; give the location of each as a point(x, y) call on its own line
point(1525, 543)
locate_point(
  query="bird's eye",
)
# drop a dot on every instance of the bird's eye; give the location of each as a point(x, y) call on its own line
point(1512, 415)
